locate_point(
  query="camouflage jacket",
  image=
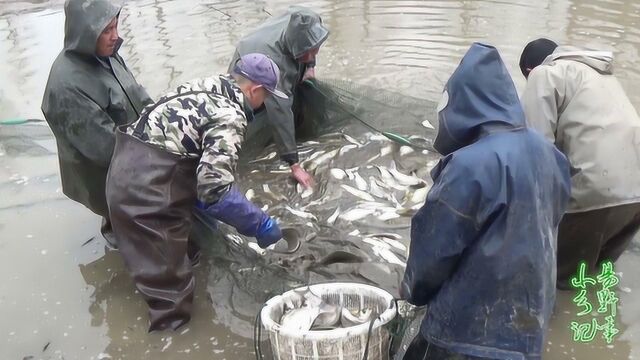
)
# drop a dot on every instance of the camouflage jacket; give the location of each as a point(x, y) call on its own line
point(202, 119)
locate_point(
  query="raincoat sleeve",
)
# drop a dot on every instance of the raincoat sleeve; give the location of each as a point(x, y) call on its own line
point(541, 100)
point(139, 91)
point(80, 118)
point(280, 119)
point(217, 193)
point(440, 232)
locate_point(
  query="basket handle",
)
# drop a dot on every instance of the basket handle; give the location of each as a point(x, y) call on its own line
point(375, 317)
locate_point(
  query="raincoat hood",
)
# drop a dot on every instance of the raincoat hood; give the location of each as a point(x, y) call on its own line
point(304, 32)
point(601, 61)
point(85, 21)
point(284, 39)
point(479, 97)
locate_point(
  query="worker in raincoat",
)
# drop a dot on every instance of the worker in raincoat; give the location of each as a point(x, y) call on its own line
point(482, 253)
point(90, 91)
point(292, 40)
point(574, 99)
point(182, 153)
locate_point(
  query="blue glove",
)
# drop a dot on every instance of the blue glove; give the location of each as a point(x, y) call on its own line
point(234, 209)
point(268, 233)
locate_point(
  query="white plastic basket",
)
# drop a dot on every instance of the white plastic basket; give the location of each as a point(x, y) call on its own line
point(340, 344)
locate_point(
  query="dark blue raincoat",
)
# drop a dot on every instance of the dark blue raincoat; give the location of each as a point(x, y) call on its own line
point(483, 247)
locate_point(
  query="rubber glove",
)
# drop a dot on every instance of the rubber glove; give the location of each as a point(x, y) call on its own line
point(269, 233)
point(236, 210)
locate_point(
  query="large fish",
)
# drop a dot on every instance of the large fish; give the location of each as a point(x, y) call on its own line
point(358, 193)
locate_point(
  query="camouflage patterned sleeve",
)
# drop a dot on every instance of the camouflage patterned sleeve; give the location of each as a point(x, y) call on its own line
point(221, 142)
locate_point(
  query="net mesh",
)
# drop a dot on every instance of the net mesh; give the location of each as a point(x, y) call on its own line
point(330, 105)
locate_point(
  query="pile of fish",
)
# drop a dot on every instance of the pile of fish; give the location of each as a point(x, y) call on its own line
point(308, 312)
point(359, 232)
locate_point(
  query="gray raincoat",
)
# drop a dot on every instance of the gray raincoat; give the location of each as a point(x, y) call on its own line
point(85, 99)
point(284, 39)
point(574, 99)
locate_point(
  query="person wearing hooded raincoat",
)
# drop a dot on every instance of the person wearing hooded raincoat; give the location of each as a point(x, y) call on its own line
point(482, 253)
point(575, 100)
point(292, 40)
point(86, 97)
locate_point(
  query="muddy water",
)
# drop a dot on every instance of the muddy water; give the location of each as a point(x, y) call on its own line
point(62, 299)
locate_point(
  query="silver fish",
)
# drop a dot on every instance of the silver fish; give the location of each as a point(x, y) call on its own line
point(376, 189)
point(300, 319)
point(356, 214)
point(428, 125)
point(382, 250)
point(370, 160)
point(406, 150)
point(361, 184)
point(386, 150)
point(332, 219)
point(345, 149)
point(321, 159)
point(358, 193)
point(304, 192)
point(256, 248)
point(350, 173)
point(301, 214)
point(315, 155)
point(395, 243)
point(386, 235)
point(351, 140)
point(403, 179)
point(378, 137)
point(388, 179)
point(348, 319)
point(395, 201)
point(338, 173)
point(412, 195)
point(420, 195)
point(270, 156)
point(295, 301)
point(389, 215)
point(389, 256)
point(328, 318)
point(375, 242)
point(250, 194)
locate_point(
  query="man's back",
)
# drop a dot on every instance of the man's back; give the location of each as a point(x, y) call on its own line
point(503, 288)
point(483, 246)
point(578, 104)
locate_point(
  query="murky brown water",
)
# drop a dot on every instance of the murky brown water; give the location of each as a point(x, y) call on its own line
point(60, 299)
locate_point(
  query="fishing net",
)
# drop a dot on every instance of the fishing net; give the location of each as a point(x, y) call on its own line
point(405, 328)
point(331, 105)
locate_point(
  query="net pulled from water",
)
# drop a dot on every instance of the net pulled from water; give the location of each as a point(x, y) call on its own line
point(329, 105)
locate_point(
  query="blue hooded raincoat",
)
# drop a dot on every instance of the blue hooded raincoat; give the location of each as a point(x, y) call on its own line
point(483, 247)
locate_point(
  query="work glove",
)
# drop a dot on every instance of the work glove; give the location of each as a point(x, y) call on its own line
point(269, 233)
point(236, 210)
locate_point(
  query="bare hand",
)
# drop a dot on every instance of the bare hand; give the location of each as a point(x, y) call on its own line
point(309, 74)
point(301, 176)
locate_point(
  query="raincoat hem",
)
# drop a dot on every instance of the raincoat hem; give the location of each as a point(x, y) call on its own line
point(610, 204)
point(475, 350)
